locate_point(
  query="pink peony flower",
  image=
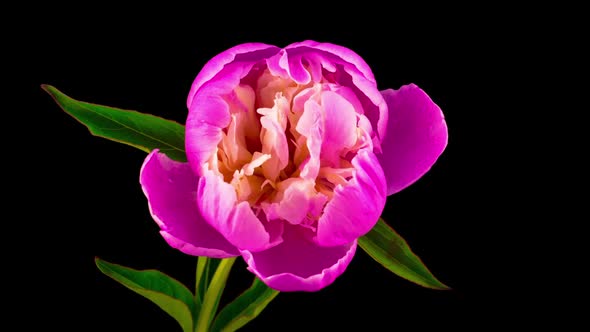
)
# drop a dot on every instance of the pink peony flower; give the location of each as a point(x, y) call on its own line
point(291, 155)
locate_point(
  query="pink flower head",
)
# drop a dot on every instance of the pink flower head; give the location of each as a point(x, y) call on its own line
point(291, 155)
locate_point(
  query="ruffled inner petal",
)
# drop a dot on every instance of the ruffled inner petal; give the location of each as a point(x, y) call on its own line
point(340, 132)
point(273, 138)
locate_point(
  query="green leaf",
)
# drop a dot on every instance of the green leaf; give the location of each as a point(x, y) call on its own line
point(244, 308)
point(169, 294)
point(143, 131)
point(389, 249)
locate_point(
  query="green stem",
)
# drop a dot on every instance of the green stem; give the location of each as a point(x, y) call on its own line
point(213, 294)
point(201, 265)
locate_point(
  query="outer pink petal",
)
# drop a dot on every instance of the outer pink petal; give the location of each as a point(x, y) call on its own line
point(234, 220)
point(356, 207)
point(298, 264)
point(250, 52)
point(171, 190)
point(416, 136)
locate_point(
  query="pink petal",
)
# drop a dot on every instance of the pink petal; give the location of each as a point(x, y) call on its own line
point(298, 264)
point(340, 126)
point(356, 207)
point(416, 136)
point(204, 130)
point(298, 202)
point(311, 125)
point(342, 52)
point(296, 70)
point(273, 138)
point(171, 190)
point(250, 52)
point(208, 112)
point(234, 220)
point(277, 64)
point(373, 103)
point(357, 74)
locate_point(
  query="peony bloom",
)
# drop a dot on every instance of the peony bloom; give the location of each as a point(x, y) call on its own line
point(291, 155)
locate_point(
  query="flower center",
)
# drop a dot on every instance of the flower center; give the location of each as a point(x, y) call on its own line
point(289, 146)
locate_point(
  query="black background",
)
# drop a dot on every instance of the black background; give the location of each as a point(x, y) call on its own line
point(85, 199)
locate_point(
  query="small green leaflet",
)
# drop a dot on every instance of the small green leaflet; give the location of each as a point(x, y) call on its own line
point(169, 294)
point(389, 249)
point(244, 308)
point(143, 131)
